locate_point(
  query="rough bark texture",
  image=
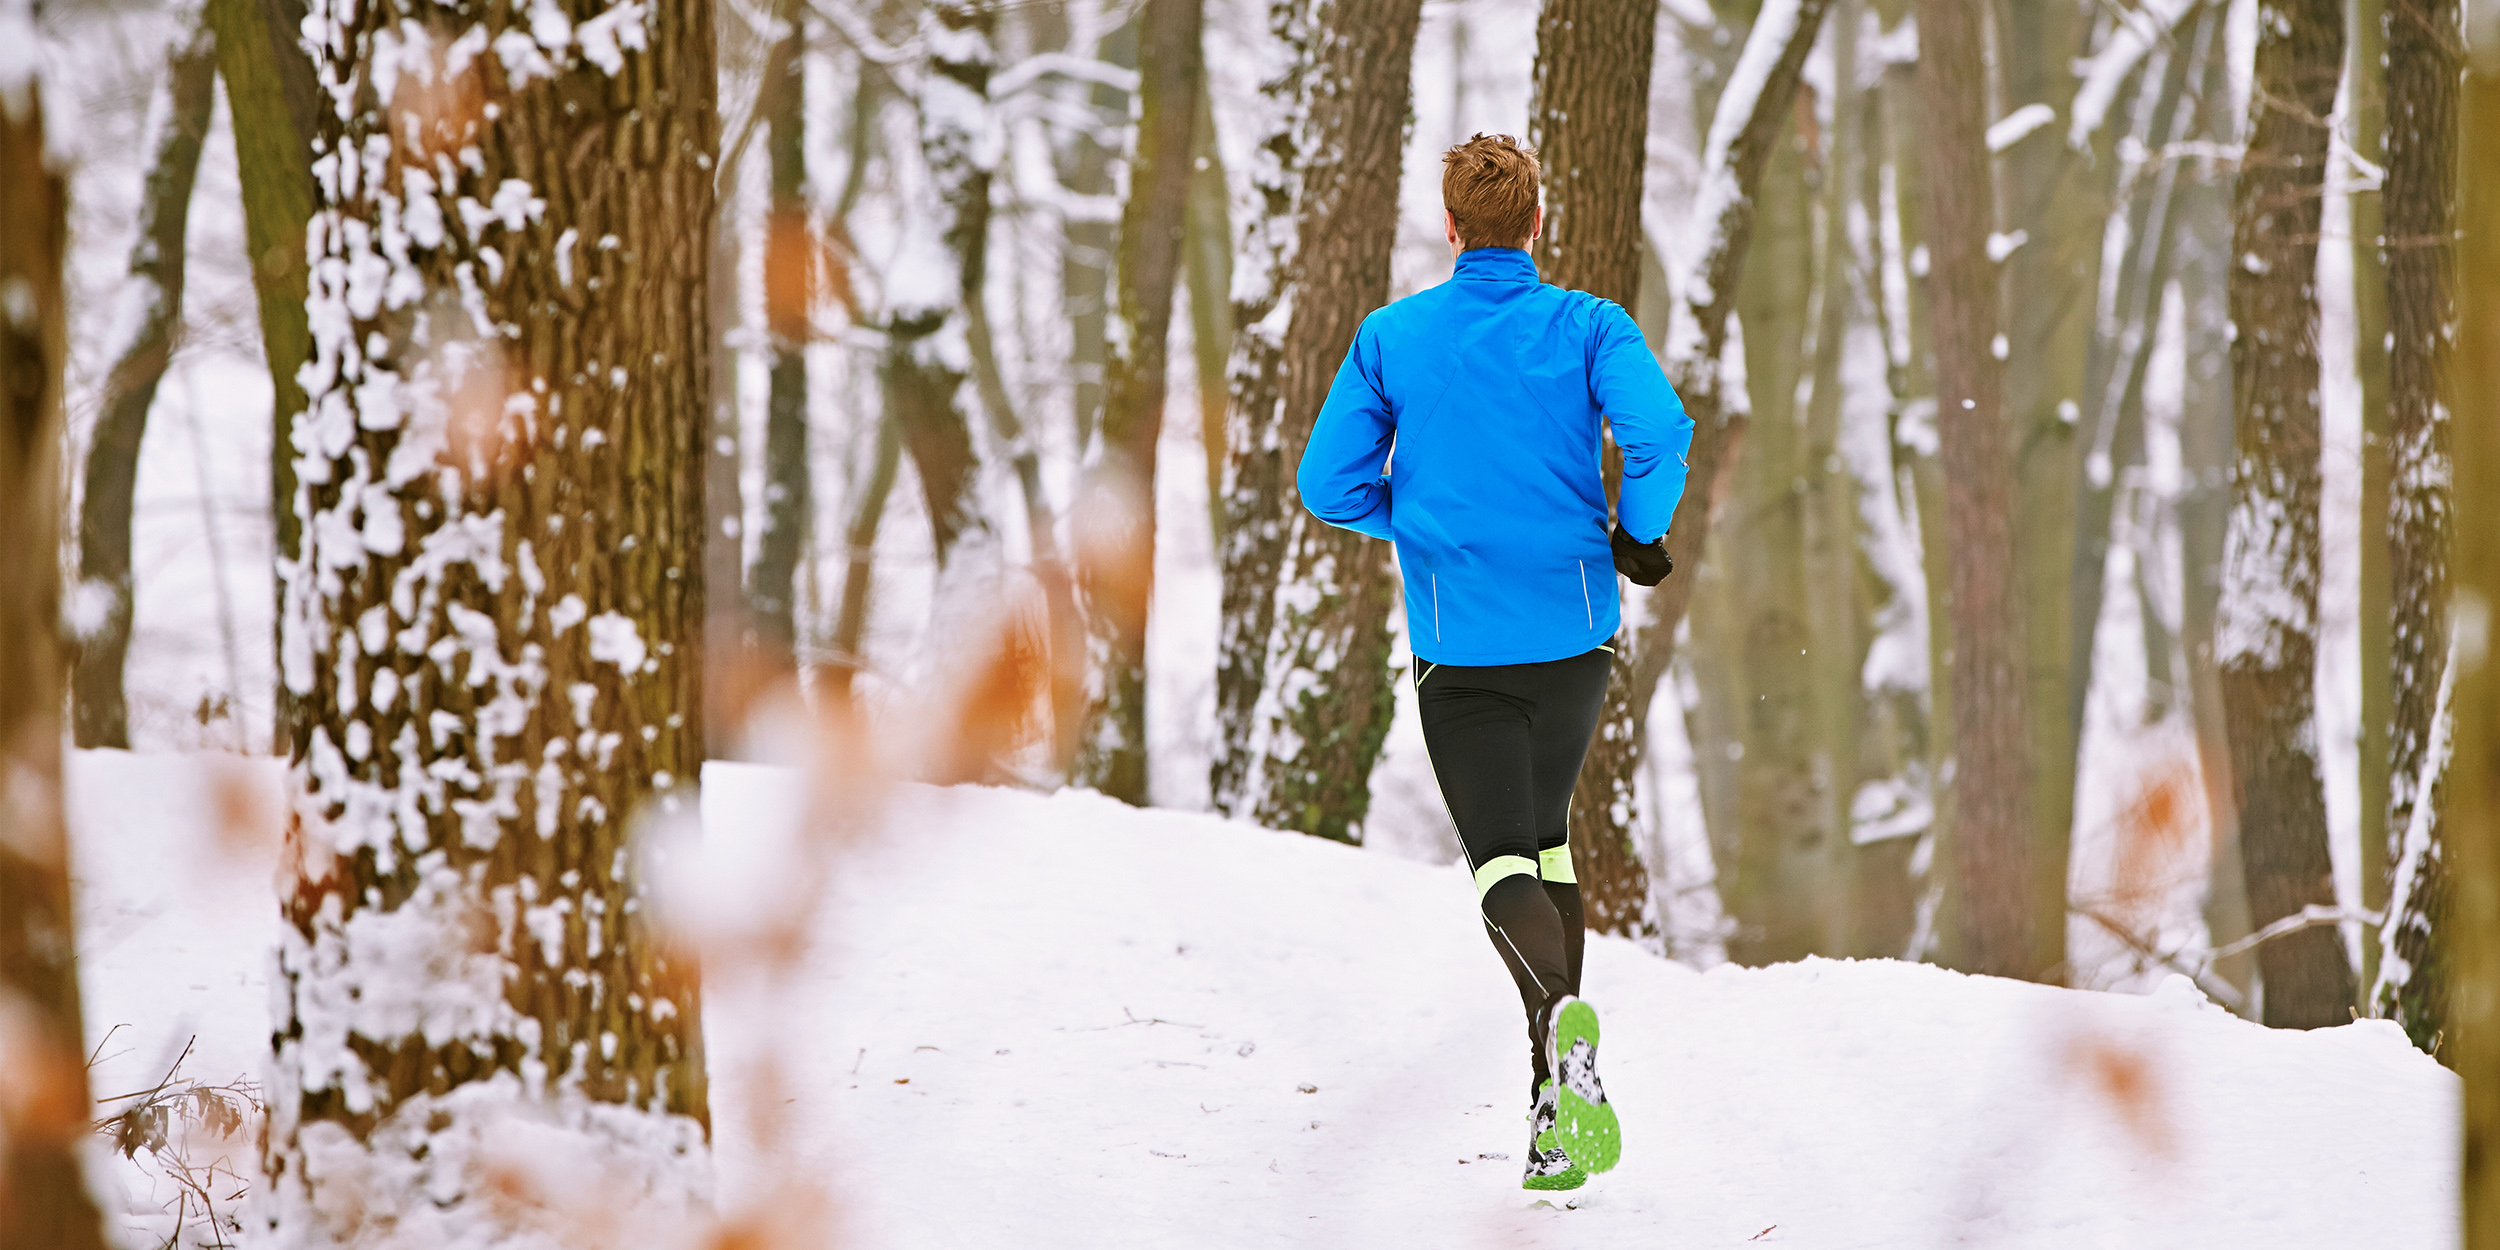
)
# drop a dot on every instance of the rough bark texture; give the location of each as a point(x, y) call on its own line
point(1588, 117)
point(2423, 67)
point(2269, 628)
point(493, 630)
point(1695, 344)
point(1303, 686)
point(43, 1124)
point(789, 300)
point(1117, 561)
point(1996, 909)
point(2473, 815)
point(99, 712)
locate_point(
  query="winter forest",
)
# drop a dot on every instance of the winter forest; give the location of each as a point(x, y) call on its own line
point(688, 623)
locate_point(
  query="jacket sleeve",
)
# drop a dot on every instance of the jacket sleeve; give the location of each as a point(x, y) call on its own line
point(1649, 421)
point(1341, 479)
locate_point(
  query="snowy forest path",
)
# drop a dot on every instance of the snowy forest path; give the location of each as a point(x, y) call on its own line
point(1044, 1021)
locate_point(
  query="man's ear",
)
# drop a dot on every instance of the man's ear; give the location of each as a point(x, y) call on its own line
point(1538, 230)
point(1449, 225)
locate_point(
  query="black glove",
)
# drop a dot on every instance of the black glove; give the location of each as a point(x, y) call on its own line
point(1647, 564)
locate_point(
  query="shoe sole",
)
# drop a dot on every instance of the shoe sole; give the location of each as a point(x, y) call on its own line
point(1572, 1179)
point(1583, 1120)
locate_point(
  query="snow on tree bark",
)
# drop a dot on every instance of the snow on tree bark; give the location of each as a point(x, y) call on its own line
point(1588, 118)
point(1993, 901)
point(2423, 69)
point(2268, 632)
point(493, 628)
point(99, 711)
point(1116, 553)
point(44, 1199)
point(1303, 687)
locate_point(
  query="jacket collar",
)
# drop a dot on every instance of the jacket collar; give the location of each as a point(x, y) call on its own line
point(1494, 264)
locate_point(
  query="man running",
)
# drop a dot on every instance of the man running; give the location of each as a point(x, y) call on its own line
point(1490, 389)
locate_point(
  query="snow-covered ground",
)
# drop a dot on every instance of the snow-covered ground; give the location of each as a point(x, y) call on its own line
point(1028, 1021)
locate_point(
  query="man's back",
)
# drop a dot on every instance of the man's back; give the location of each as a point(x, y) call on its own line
point(1491, 387)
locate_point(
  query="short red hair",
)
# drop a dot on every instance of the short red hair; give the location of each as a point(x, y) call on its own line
point(1489, 185)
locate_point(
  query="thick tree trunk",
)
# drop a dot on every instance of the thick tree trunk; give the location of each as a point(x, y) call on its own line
point(1588, 117)
point(44, 1200)
point(1116, 558)
point(2473, 812)
point(2423, 68)
point(99, 711)
point(2269, 628)
point(274, 98)
point(1997, 910)
point(1303, 687)
point(789, 303)
point(493, 631)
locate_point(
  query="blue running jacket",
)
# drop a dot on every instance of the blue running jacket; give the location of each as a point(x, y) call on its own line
point(1488, 388)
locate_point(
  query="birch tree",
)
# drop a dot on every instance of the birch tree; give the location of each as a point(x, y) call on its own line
point(2423, 69)
point(493, 628)
point(2268, 634)
point(99, 709)
point(44, 1199)
point(1589, 121)
point(1117, 556)
point(1303, 686)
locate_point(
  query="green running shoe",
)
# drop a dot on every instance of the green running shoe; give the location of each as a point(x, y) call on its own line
point(1548, 1167)
point(1584, 1123)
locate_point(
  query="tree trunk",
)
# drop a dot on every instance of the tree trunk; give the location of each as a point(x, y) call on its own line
point(2269, 627)
point(2365, 114)
point(99, 711)
point(1998, 908)
point(2204, 263)
point(493, 631)
point(2055, 197)
point(789, 303)
point(1752, 617)
point(1588, 117)
point(274, 98)
point(44, 1199)
point(1744, 130)
point(2473, 811)
point(922, 374)
point(1209, 244)
point(2423, 68)
point(1303, 687)
point(1116, 557)
point(1085, 168)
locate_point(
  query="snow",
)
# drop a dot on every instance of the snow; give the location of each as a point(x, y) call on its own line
point(2014, 127)
point(1056, 1020)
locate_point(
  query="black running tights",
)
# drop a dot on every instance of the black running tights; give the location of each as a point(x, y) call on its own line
point(1506, 742)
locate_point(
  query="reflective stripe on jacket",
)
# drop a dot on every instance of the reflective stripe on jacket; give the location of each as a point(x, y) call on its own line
point(1490, 388)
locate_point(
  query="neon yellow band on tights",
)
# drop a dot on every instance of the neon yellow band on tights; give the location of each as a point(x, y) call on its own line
point(1554, 864)
point(1501, 866)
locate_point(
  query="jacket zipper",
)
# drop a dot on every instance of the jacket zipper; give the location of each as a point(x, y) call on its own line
point(1586, 604)
point(1436, 607)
